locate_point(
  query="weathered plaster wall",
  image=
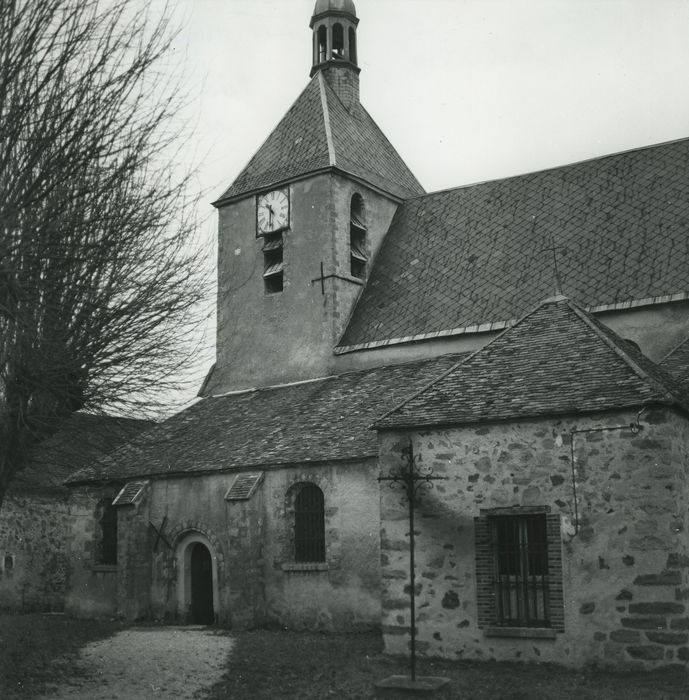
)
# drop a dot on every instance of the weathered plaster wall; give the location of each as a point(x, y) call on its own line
point(656, 329)
point(297, 328)
point(345, 593)
point(134, 552)
point(257, 580)
point(34, 558)
point(624, 571)
point(91, 587)
point(178, 507)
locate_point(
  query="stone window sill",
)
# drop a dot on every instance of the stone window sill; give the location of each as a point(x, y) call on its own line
point(521, 632)
point(306, 566)
point(104, 568)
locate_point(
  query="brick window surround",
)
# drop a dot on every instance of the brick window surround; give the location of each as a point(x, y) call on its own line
point(508, 543)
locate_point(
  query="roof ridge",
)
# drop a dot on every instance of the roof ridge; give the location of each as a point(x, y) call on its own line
point(672, 351)
point(550, 168)
point(332, 155)
point(391, 145)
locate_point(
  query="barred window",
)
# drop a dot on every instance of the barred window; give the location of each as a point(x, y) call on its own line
point(519, 568)
point(309, 525)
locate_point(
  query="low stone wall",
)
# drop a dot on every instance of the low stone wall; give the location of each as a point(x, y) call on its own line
point(34, 560)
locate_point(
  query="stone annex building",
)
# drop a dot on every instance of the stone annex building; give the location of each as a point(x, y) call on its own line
point(360, 317)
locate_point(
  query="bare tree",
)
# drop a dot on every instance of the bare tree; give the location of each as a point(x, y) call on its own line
point(101, 275)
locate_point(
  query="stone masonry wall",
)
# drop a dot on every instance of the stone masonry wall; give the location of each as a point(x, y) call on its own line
point(624, 563)
point(34, 557)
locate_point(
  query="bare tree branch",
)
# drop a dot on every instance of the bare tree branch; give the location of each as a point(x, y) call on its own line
point(102, 277)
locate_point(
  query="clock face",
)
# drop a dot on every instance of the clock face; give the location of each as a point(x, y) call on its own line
point(272, 212)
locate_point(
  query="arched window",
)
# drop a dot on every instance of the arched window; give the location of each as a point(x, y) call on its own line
point(338, 41)
point(352, 45)
point(106, 551)
point(309, 525)
point(357, 238)
point(322, 44)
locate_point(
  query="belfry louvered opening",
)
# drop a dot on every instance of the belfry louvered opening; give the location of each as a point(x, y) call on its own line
point(273, 266)
point(309, 525)
point(357, 238)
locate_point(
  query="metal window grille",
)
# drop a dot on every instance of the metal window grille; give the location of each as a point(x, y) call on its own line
point(309, 525)
point(521, 579)
point(108, 542)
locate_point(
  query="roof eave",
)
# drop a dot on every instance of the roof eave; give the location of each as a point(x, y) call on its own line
point(267, 466)
point(449, 423)
point(224, 201)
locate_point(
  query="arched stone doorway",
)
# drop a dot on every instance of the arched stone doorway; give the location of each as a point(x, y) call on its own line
point(202, 612)
point(197, 579)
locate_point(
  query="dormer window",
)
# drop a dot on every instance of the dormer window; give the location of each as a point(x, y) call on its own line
point(272, 263)
point(357, 238)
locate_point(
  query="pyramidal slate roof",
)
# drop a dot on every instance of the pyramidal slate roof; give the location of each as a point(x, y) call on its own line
point(476, 256)
point(316, 421)
point(317, 133)
point(556, 360)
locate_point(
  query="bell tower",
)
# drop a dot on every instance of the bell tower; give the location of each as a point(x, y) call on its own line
point(334, 25)
point(299, 228)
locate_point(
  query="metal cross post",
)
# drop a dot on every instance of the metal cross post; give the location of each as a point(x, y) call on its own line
point(413, 480)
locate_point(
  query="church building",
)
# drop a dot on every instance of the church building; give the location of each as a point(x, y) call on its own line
point(523, 343)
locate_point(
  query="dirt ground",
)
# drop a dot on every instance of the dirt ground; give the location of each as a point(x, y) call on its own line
point(54, 656)
point(143, 663)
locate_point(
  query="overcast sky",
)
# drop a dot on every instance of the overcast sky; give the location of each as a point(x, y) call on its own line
point(466, 90)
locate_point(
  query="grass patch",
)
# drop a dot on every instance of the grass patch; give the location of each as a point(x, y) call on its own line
point(37, 651)
point(308, 666)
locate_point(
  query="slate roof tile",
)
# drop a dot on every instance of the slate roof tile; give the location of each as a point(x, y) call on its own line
point(556, 360)
point(481, 254)
point(80, 443)
point(299, 145)
point(316, 421)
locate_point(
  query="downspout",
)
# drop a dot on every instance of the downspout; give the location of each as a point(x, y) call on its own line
point(634, 426)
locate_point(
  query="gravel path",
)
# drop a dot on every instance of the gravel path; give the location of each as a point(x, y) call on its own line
point(142, 663)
